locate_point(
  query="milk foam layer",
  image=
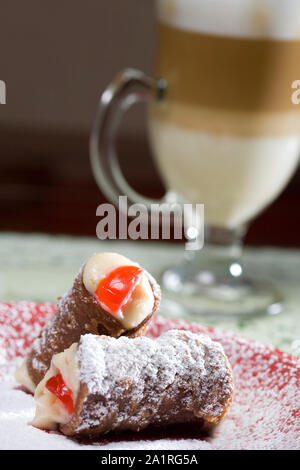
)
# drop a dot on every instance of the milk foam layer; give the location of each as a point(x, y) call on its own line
point(235, 178)
point(277, 19)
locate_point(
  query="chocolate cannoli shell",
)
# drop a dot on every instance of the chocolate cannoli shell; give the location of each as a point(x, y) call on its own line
point(167, 418)
point(168, 409)
point(79, 313)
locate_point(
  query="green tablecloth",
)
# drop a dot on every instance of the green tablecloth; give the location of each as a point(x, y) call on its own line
point(41, 268)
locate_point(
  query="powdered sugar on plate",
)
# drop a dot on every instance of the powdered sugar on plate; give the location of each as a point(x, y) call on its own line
point(265, 413)
point(20, 324)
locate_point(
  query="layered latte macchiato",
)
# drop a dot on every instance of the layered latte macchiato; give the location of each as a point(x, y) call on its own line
point(227, 134)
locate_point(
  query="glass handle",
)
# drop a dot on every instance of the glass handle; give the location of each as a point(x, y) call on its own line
point(130, 86)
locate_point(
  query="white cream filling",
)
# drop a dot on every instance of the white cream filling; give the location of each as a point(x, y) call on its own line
point(141, 303)
point(50, 411)
point(22, 377)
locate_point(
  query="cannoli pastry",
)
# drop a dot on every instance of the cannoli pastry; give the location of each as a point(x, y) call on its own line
point(102, 384)
point(110, 296)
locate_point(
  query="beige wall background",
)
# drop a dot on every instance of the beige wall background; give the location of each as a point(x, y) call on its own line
point(56, 56)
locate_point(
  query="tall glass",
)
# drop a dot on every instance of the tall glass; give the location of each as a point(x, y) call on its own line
point(224, 132)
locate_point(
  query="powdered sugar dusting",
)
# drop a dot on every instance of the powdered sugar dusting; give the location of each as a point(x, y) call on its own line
point(266, 407)
point(265, 413)
point(92, 360)
point(154, 370)
point(20, 324)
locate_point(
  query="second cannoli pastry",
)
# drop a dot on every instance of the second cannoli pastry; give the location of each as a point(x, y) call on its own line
point(103, 384)
point(111, 295)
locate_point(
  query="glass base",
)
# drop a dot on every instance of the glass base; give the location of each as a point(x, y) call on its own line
point(218, 288)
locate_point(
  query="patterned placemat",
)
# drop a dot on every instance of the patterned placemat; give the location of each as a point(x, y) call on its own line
point(40, 268)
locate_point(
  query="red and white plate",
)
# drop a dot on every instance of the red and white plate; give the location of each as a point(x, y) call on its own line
point(265, 413)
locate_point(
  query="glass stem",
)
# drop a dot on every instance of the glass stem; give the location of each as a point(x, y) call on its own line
point(222, 250)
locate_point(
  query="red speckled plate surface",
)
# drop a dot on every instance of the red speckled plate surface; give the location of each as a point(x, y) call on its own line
point(265, 413)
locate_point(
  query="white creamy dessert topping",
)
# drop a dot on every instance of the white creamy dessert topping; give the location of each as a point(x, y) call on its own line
point(22, 377)
point(141, 303)
point(49, 409)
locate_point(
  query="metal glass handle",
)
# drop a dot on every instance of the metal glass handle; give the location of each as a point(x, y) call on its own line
point(129, 87)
